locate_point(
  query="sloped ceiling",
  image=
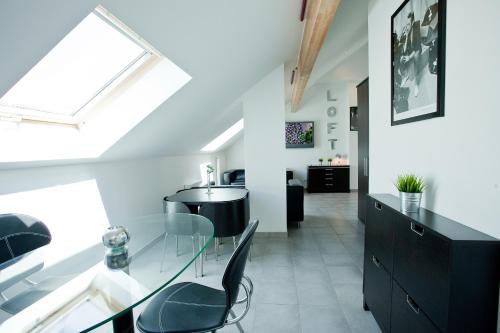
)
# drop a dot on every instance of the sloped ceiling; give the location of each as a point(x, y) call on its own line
point(346, 39)
point(225, 45)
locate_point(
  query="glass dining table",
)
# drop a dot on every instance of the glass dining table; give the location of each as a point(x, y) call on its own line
point(82, 293)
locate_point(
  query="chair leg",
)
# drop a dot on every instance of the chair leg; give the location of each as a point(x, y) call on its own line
point(176, 245)
point(234, 243)
point(200, 246)
point(205, 253)
point(217, 246)
point(164, 252)
point(240, 328)
point(194, 253)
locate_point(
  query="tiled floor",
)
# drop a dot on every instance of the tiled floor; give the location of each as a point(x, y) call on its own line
point(310, 281)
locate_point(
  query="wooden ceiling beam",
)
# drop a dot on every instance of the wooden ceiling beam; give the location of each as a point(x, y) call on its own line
point(319, 17)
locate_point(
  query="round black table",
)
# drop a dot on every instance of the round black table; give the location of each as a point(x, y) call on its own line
point(198, 196)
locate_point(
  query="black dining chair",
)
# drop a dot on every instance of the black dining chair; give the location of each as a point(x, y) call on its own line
point(191, 307)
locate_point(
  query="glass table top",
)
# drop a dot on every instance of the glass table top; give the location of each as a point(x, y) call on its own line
point(80, 293)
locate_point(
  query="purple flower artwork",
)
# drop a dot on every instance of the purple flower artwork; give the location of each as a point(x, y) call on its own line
point(299, 134)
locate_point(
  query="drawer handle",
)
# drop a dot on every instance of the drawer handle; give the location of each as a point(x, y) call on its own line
point(376, 261)
point(378, 205)
point(412, 305)
point(328, 177)
point(329, 184)
point(419, 230)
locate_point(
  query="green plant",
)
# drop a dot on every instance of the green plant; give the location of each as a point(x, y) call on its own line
point(410, 183)
point(308, 136)
point(320, 160)
point(210, 168)
point(330, 159)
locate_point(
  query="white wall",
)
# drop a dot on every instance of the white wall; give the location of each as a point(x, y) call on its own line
point(458, 155)
point(314, 107)
point(264, 113)
point(83, 199)
point(235, 154)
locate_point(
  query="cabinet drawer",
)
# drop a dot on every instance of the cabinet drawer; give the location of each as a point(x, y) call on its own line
point(421, 261)
point(377, 290)
point(407, 316)
point(379, 232)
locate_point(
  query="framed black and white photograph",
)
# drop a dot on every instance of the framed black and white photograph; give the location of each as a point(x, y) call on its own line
point(418, 61)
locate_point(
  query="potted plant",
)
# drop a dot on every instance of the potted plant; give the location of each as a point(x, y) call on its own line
point(320, 161)
point(410, 189)
point(330, 161)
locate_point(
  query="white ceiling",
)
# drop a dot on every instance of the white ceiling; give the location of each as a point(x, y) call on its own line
point(352, 68)
point(347, 37)
point(225, 45)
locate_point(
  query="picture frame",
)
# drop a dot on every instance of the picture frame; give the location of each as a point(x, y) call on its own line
point(418, 44)
point(299, 134)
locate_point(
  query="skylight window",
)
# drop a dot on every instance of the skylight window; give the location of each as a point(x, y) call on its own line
point(224, 137)
point(95, 56)
point(100, 81)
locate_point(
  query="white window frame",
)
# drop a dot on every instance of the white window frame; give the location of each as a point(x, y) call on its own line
point(14, 113)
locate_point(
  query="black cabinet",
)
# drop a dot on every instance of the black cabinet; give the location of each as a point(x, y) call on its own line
point(377, 290)
point(379, 233)
point(363, 148)
point(421, 265)
point(407, 316)
point(324, 179)
point(444, 276)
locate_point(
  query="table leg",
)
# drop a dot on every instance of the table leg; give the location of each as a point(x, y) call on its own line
point(124, 323)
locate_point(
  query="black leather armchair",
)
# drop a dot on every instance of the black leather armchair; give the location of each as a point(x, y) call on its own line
point(233, 177)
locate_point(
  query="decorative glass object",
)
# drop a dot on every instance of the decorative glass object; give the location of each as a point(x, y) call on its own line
point(115, 240)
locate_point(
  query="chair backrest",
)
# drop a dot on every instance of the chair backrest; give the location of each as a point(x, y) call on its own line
point(229, 218)
point(19, 235)
point(236, 264)
point(170, 207)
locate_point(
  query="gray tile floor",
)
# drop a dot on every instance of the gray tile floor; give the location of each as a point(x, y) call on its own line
point(310, 281)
